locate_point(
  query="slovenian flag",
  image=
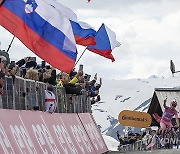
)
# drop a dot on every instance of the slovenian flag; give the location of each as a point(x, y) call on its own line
point(105, 42)
point(84, 33)
point(43, 29)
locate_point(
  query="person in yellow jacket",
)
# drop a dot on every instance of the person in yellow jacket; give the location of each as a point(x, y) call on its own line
point(72, 86)
point(59, 81)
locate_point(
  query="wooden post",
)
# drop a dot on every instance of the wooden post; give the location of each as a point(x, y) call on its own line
point(1, 1)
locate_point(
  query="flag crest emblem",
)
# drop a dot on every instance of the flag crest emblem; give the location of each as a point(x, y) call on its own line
point(30, 6)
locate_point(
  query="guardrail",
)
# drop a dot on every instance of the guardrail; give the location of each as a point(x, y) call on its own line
point(27, 94)
point(142, 145)
point(137, 146)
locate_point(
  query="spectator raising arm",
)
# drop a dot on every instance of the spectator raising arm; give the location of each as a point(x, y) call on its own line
point(76, 77)
point(100, 81)
point(22, 61)
point(165, 103)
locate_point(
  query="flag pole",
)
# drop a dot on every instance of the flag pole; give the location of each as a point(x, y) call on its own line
point(10, 44)
point(1, 1)
point(80, 57)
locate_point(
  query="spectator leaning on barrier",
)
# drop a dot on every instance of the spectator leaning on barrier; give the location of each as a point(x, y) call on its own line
point(4, 62)
point(5, 55)
point(72, 74)
point(50, 100)
point(32, 74)
point(72, 86)
point(59, 80)
point(49, 75)
point(12, 69)
point(152, 141)
point(2, 77)
point(78, 80)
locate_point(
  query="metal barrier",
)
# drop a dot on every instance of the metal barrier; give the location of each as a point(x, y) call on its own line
point(142, 145)
point(137, 146)
point(8, 93)
point(26, 94)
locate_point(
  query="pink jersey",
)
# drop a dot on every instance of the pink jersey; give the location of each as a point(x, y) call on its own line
point(168, 115)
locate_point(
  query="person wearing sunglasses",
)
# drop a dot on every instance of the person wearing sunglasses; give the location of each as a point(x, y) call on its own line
point(168, 114)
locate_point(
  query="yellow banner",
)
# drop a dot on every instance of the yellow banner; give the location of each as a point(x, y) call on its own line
point(134, 119)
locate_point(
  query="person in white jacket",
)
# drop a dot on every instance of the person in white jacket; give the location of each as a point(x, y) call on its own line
point(50, 100)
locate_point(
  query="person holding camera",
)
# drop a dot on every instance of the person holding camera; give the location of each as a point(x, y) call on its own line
point(24, 64)
point(22, 61)
point(94, 90)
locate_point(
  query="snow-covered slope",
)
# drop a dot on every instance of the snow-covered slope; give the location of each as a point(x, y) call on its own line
point(111, 143)
point(133, 94)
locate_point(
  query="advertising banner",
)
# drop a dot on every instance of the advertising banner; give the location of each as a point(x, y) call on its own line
point(41, 133)
point(93, 132)
point(134, 119)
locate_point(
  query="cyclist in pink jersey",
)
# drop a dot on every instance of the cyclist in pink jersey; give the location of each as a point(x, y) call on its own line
point(167, 116)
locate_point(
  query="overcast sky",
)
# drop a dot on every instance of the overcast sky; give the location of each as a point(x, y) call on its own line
point(149, 31)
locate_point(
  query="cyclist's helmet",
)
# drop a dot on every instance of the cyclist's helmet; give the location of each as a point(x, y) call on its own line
point(174, 103)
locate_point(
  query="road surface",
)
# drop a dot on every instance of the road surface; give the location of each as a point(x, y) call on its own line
point(163, 151)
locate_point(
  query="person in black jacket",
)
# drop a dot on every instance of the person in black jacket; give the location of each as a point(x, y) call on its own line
point(49, 75)
point(70, 86)
point(22, 61)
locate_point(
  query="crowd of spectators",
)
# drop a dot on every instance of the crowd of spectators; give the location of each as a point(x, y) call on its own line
point(147, 137)
point(76, 82)
point(129, 139)
point(150, 139)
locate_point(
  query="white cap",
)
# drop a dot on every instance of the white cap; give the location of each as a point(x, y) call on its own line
point(154, 127)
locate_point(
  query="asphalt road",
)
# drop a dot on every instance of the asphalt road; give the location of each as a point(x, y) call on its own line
point(164, 151)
